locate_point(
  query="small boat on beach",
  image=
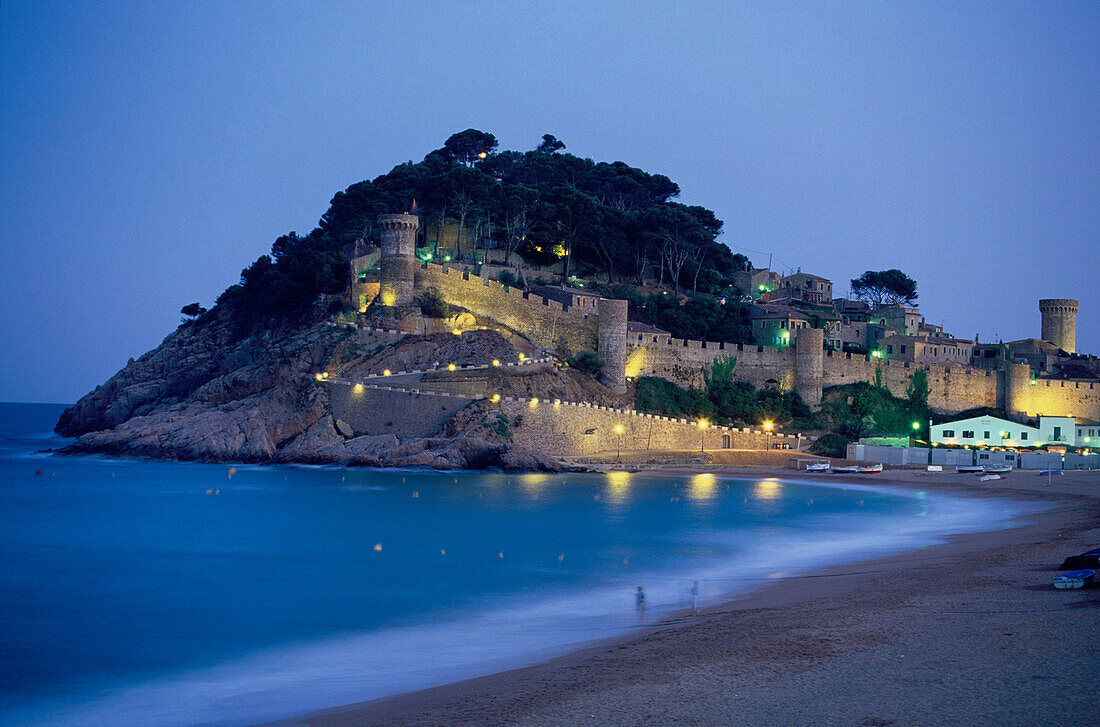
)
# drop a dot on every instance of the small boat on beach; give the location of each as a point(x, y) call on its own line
point(1074, 578)
point(845, 470)
point(1051, 473)
point(818, 467)
point(968, 469)
point(869, 470)
point(987, 478)
point(998, 469)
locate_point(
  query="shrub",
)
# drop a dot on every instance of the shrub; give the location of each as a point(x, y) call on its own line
point(587, 362)
point(831, 445)
point(432, 304)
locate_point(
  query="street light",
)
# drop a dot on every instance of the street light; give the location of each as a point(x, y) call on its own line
point(619, 451)
point(767, 436)
point(702, 432)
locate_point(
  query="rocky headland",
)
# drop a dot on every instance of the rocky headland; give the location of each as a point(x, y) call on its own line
point(212, 393)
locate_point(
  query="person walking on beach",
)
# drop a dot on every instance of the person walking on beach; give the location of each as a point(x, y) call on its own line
point(639, 604)
point(695, 598)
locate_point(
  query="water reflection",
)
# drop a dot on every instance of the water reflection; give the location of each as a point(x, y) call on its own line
point(533, 483)
point(618, 487)
point(702, 486)
point(770, 489)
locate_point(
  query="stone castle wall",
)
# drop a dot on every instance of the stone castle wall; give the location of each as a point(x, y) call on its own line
point(554, 428)
point(557, 327)
point(546, 323)
point(579, 429)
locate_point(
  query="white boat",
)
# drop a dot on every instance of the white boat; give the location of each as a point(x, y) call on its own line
point(998, 469)
point(1074, 578)
point(818, 467)
point(845, 470)
point(987, 478)
point(969, 469)
point(869, 469)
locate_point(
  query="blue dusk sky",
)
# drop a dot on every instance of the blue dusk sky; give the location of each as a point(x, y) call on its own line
point(152, 150)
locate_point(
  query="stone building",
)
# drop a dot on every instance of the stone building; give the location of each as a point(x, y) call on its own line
point(926, 349)
point(586, 300)
point(802, 288)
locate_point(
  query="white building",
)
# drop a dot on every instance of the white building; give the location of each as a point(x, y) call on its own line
point(989, 431)
point(985, 432)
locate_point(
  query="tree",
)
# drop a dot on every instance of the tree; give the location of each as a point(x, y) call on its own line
point(549, 145)
point(192, 310)
point(890, 287)
point(918, 391)
point(467, 147)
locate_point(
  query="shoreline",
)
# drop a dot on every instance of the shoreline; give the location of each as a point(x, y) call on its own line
point(745, 643)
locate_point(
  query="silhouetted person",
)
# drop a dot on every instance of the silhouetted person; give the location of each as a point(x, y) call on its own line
point(639, 604)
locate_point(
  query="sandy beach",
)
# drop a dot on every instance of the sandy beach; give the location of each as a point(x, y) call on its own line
point(966, 633)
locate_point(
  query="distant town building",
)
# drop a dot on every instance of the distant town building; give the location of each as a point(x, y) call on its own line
point(926, 350)
point(640, 333)
point(755, 283)
point(775, 324)
point(586, 300)
point(900, 319)
point(852, 311)
point(802, 288)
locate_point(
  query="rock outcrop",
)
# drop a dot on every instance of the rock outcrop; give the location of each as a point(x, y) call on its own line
point(210, 394)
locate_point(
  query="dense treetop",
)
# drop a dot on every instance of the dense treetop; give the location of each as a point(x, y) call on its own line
point(546, 204)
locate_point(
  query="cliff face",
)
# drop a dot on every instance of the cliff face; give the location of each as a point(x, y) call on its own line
point(206, 394)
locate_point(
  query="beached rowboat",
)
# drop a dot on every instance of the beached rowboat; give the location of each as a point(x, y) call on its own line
point(869, 470)
point(1051, 473)
point(818, 467)
point(968, 469)
point(1074, 578)
point(998, 469)
point(987, 478)
point(846, 470)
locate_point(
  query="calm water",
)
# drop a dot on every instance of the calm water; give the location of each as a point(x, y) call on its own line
point(136, 593)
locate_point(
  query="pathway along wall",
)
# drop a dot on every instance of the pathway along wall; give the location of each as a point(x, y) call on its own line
point(561, 429)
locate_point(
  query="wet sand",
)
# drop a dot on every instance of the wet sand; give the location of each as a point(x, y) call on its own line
point(967, 633)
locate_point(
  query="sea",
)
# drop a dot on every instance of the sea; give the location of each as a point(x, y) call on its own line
point(137, 592)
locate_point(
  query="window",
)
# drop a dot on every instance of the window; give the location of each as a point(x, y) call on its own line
point(949, 433)
point(983, 456)
point(902, 349)
point(1057, 434)
point(1023, 436)
point(968, 434)
point(985, 435)
point(890, 348)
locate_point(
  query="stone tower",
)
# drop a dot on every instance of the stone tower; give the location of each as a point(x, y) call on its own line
point(809, 364)
point(612, 343)
point(1059, 322)
point(398, 260)
point(1016, 387)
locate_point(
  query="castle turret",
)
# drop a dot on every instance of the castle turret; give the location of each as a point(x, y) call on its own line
point(809, 364)
point(1017, 387)
point(1059, 322)
point(612, 343)
point(398, 260)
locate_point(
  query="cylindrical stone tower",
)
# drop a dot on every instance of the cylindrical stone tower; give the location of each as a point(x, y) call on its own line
point(398, 261)
point(1059, 322)
point(809, 364)
point(612, 343)
point(1017, 383)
